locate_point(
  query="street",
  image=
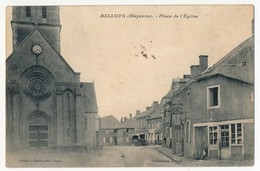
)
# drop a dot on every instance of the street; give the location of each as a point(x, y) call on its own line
point(109, 156)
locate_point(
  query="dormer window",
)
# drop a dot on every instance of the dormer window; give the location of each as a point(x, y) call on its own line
point(28, 11)
point(44, 12)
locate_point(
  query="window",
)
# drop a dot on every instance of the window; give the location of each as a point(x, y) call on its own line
point(127, 130)
point(213, 135)
point(252, 97)
point(28, 11)
point(86, 123)
point(114, 130)
point(44, 12)
point(213, 96)
point(236, 133)
point(224, 135)
point(107, 140)
point(187, 128)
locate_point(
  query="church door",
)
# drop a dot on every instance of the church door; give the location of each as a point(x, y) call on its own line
point(38, 130)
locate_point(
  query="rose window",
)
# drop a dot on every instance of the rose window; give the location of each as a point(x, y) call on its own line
point(37, 87)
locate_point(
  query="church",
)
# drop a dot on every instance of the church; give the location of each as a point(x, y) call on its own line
point(47, 106)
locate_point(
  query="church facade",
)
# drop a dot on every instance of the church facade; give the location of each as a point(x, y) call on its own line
point(47, 106)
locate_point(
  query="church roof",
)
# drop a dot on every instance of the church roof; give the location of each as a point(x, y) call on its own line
point(36, 29)
point(90, 97)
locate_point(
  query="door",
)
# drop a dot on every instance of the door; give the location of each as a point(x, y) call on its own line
point(224, 142)
point(201, 139)
point(115, 140)
point(38, 136)
point(38, 132)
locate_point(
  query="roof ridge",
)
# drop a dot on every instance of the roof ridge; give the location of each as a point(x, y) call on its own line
point(28, 36)
point(226, 57)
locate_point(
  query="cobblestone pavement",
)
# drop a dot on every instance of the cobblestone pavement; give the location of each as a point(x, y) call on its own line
point(115, 156)
point(202, 163)
point(109, 156)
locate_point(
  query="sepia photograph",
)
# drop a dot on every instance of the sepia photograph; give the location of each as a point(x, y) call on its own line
point(130, 86)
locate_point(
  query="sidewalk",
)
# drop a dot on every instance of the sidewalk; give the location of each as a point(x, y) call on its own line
point(186, 162)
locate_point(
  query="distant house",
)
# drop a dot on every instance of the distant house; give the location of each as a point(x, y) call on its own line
point(214, 110)
point(154, 123)
point(142, 126)
point(126, 129)
point(113, 132)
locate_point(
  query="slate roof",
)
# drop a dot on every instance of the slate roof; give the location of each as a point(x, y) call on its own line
point(90, 97)
point(129, 123)
point(156, 113)
point(37, 29)
point(231, 65)
point(109, 122)
point(152, 112)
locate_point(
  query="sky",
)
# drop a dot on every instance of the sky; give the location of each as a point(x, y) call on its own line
point(109, 50)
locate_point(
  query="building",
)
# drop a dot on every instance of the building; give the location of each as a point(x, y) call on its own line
point(214, 110)
point(166, 110)
point(149, 123)
point(154, 125)
point(107, 130)
point(112, 132)
point(47, 106)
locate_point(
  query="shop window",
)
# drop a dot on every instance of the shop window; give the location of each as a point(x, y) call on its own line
point(213, 135)
point(236, 133)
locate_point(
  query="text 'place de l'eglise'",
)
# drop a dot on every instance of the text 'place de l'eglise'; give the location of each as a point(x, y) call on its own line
point(209, 112)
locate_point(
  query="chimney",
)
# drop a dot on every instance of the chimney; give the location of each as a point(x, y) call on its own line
point(130, 116)
point(175, 83)
point(137, 112)
point(125, 118)
point(155, 103)
point(203, 62)
point(186, 76)
point(147, 108)
point(194, 70)
point(121, 120)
